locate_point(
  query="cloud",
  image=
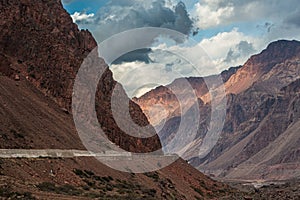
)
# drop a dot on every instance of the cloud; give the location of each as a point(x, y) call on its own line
point(217, 45)
point(138, 78)
point(81, 18)
point(209, 16)
point(213, 13)
point(140, 55)
point(231, 48)
point(67, 1)
point(293, 19)
point(119, 16)
point(241, 50)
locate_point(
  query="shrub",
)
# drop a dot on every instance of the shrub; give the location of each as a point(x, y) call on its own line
point(65, 189)
point(90, 173)
point(106, 179)
point(153, 175)
point(80, 173)
point(7, 193)
point(198, 191)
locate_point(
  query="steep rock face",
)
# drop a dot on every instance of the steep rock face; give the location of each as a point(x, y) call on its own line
point(262, 113)
point(261, 64)
point(259, 119)
point(261, 109)
point(47, 49)
point(165, 97)
point(266, 145)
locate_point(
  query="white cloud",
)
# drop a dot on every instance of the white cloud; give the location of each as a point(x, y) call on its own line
point(209, 15)
point(138, 78)
point(218, 46)
point(168, 63)
point(214, 13)
point(119, 16)
point(82, 17)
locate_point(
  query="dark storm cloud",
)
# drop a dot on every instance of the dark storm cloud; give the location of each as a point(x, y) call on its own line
point(141, 55)
point(119, 16)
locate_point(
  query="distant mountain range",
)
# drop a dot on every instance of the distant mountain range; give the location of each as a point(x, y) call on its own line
point(260, 138)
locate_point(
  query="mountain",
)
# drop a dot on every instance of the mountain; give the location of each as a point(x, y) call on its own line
point(259, 139)
point(41, 52)
point(164, 96)
point(48, 49)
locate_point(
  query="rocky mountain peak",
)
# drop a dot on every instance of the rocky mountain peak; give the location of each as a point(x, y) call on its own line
point(41, 44)
point(267, 62)
point(276, 52)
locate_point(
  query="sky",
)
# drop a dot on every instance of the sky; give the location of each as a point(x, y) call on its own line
point(219, 34)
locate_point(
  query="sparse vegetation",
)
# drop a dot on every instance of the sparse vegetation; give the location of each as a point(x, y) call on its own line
point(64, 189)
point(150, 192)
point(17, 134)
point(198, 198)
point(199, 191)
point(32, 75)
point(153, 175)
point(7, 193)
point(1, 163)
point(79, 173)
point(30, 68)
point(107, 187)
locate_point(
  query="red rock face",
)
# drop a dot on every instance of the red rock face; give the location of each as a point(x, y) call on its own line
point(47, 49)
point(261, 64)
point(167, 99)
point(263, 96)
